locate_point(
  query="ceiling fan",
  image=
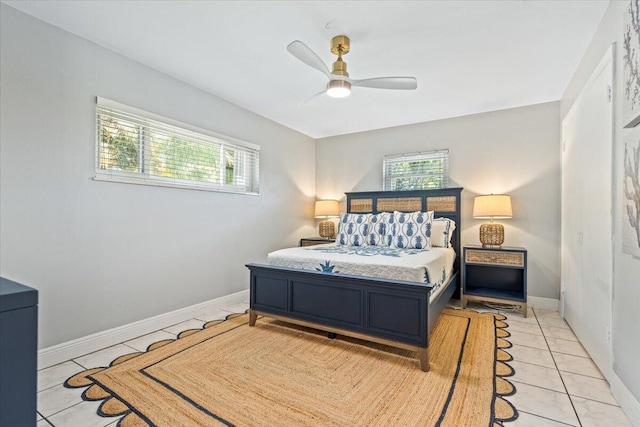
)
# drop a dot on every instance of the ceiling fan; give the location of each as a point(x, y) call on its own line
point(339, 85)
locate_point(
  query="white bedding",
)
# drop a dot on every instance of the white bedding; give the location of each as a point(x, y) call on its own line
point(433, 266)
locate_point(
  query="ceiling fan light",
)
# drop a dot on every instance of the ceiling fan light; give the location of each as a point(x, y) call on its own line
point(338, 88)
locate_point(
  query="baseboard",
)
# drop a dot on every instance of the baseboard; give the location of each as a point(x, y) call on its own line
point(71, 349)
point(627, 401)
point(544, 303)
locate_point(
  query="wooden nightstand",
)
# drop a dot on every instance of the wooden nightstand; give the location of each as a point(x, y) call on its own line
point(495, 275)
point(311, 241)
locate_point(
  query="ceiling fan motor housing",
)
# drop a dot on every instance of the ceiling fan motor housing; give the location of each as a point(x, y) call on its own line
point(340, 45)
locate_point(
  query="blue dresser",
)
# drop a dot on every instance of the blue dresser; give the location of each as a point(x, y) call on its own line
point(18, 353)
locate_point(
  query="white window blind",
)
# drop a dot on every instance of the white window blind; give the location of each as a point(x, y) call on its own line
point(416, 171)
point(137, 147)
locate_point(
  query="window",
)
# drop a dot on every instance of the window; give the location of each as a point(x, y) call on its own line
point(417, 171)
point(137, 147)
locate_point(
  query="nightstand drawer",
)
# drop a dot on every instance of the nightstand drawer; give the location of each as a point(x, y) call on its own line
point(514, 259)
point(312, 241)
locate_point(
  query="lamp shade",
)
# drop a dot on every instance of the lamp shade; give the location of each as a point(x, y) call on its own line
point(327, 208)
point(492, 206)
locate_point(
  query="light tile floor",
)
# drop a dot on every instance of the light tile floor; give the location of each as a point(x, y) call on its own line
point(557, 383)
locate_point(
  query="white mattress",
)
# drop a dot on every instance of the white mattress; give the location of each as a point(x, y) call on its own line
point(433, 266)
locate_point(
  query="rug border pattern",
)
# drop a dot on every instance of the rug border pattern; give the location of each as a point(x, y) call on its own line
point(113, 406)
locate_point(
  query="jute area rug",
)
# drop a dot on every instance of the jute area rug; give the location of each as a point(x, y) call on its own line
point(275, 374)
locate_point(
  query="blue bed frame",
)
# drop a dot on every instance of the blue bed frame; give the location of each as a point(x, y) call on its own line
point(396, 313)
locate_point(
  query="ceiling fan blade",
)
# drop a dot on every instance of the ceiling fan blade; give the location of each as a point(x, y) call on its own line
point(312, 97)
point(398, 83)
point(309, 57)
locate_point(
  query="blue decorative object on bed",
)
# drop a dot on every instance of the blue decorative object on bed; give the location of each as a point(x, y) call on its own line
point(326, 267)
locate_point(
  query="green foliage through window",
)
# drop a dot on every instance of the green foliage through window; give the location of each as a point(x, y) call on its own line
point(120, 145)
point(418, 171)
point(133, 147)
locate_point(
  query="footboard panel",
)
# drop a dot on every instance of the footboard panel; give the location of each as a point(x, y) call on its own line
point(326, 302)
point(396, 311)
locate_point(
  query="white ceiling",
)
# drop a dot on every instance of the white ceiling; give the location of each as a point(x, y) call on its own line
point(468, 56)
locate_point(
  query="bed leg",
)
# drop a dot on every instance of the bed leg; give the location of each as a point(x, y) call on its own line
point(252, 317)
point(523, 306)
point(423, 353)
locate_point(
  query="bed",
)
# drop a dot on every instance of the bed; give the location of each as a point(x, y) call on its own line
point(400, 313)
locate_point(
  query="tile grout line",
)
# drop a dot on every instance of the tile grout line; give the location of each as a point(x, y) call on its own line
point(532, 364)
point(61, 410)
point(578, 373)
point(80, 364)
point(593, 400)
point(568, 354)
point(558, 370)
point(58, 364)
point(131, 347)
point(547, 418)
point(541, 388)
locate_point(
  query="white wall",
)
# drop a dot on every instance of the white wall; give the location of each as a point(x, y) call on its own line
point(626, 275)
point(515, 151)
point(106, 254)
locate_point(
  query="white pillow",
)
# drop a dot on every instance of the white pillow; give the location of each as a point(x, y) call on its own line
point(441, 232)
point(352, 229)
point(411, 230)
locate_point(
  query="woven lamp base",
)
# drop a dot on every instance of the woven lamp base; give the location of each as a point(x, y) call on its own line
point(327, 229)
point(491, 234)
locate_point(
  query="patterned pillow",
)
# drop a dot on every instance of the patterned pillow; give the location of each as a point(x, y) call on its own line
point(412, 230)
point(352, 229)
point(442, 231)
point(390, 228)
point(377, 230)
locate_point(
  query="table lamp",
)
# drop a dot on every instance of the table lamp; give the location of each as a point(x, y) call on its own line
point(327, 209)
point(492, 206)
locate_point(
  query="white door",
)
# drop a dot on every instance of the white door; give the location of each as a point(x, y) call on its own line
point(587, 227)
point(571, 223)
